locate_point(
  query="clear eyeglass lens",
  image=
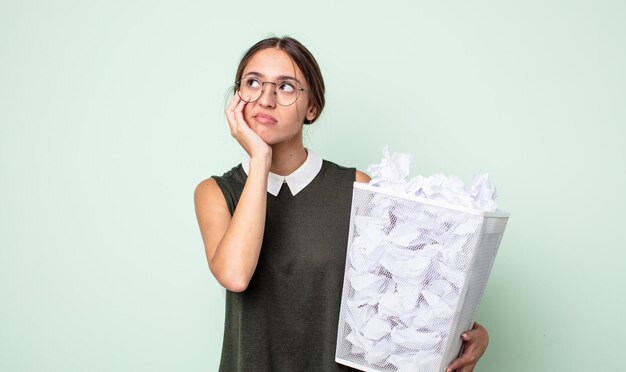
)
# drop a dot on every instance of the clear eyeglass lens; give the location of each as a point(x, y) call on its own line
point(285, 92)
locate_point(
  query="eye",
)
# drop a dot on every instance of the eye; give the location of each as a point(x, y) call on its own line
point(252, 83)
point(287, 86)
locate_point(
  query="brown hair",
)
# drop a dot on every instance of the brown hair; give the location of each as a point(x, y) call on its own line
point(305, 61)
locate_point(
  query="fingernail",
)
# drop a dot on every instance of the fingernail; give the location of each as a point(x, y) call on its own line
point(464, 336)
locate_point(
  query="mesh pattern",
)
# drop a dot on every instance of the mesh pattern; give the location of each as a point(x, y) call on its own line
point(414, 276)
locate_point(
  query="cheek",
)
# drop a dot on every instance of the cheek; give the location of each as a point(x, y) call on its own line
point(246, 111)
point(247, 114)
point(247, 117)
point(303, 109)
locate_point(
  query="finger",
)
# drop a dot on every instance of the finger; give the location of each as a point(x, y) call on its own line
point(234, 100)
point(232, 103)
point(231, 115)
point(477, 338)
point(465, 360)
point(469, 335)
point(240, 104)
point(239, 114)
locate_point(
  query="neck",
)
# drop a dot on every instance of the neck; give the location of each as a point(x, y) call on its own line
point(286, 158)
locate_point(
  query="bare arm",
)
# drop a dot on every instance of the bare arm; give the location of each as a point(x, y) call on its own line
point(232, 245)
point(362, 177)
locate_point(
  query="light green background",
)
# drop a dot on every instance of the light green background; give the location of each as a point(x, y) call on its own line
point(112, 111)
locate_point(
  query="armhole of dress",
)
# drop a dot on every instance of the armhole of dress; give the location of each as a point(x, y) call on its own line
point(227, 192)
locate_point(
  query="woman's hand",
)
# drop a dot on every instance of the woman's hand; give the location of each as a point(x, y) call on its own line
point(241, 131)
point(475, 343)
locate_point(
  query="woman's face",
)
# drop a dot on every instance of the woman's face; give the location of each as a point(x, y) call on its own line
point(272, 122)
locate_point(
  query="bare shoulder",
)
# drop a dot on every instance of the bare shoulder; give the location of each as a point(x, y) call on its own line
point(208, 196)
point(362, 177)
point(206, 189)
point(212, 213)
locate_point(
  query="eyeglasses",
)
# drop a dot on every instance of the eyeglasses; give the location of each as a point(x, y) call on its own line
point(286, 92)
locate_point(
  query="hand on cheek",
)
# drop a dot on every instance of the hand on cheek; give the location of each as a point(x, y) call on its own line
point(241, 131)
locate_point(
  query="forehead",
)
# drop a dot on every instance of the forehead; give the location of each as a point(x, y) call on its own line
point(271, 63)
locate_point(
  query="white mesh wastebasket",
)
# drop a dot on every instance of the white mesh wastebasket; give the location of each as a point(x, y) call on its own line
point(415, 273)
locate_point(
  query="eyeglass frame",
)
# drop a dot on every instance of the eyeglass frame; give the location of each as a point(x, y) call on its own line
point(300, 89)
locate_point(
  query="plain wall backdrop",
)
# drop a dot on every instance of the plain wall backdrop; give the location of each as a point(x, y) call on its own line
point(112, 111)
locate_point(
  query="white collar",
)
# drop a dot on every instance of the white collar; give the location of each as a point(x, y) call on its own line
point(297, 181)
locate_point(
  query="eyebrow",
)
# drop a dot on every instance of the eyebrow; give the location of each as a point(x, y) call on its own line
point(280, 77)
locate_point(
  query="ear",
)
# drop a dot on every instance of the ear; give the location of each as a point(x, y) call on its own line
point(311, 114)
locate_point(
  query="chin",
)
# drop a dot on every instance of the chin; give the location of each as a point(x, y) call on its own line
point(273, 136)
point(270, 140)
point(265, 135)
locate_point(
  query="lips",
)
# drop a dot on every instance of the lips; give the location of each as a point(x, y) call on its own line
point(265, 119)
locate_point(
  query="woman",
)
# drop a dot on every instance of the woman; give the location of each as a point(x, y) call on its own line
point(275, 227)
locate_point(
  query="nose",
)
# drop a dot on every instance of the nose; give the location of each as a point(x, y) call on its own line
point(267, 98)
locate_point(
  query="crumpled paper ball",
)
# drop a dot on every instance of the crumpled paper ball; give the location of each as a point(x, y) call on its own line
point(394, 167)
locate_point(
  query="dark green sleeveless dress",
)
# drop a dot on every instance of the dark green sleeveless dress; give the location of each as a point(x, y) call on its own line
point(286, 320)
